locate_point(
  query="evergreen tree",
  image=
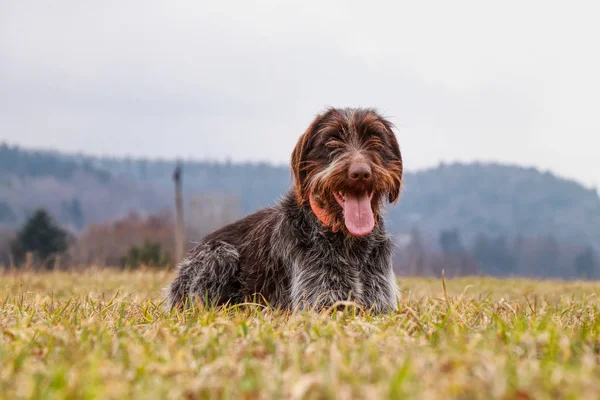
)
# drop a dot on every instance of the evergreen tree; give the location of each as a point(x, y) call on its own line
point(41, 237)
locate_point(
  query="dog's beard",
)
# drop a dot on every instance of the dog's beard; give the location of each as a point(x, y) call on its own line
point(350, 210)
point(351, 206)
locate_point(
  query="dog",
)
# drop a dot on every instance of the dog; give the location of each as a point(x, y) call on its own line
point(324, 242)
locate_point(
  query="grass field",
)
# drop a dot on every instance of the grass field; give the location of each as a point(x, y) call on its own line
point(102, 334)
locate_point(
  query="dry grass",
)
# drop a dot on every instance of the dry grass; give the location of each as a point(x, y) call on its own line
point(102, 334)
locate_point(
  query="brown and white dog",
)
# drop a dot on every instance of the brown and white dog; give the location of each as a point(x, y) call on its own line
point(324, 241)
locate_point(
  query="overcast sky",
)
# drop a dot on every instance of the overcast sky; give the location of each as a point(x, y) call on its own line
point(515, 82)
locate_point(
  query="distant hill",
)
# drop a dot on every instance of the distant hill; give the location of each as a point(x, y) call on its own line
point(499, 200)
point(475, 198)
point(255, 185)
point(72, 189)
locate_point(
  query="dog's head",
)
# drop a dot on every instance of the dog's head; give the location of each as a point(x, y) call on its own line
point(345, 165)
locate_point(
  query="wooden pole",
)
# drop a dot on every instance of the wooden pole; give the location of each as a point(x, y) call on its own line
point(179, 224)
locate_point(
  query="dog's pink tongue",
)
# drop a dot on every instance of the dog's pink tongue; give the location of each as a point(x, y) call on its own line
point(358, 214)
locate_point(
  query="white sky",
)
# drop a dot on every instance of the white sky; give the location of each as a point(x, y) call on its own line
point(510, 81)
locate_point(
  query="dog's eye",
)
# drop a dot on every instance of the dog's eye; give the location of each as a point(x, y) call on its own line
point(374, 142)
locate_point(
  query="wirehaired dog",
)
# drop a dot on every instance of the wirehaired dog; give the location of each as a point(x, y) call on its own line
point(324, 241)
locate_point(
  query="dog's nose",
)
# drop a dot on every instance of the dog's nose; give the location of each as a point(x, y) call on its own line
point(359, 171)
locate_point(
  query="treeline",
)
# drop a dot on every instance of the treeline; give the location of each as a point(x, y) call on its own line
point(501, 256)
point(494, 199)
point(15, 162)
point(138, 240)
point(256, 185)
point(131, 241)
point(509, 220)
point(76, 192)
point(488, 198)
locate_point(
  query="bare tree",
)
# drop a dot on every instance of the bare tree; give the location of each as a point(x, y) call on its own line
point(179, 224)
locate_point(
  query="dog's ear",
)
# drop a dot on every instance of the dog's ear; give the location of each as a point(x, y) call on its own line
point(395, 193)
point(298, 167)
point(395, 166)
point(300, 162)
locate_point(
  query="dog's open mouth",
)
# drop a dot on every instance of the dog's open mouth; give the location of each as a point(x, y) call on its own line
point(358, 213)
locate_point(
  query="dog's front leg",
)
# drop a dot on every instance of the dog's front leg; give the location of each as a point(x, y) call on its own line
point(315, 286)
point(379, 283)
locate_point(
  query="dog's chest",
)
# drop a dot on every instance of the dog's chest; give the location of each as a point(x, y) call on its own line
point(336, 254)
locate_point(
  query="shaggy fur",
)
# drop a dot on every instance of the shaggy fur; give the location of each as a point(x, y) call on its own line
point(286, 255)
